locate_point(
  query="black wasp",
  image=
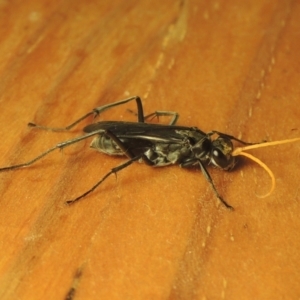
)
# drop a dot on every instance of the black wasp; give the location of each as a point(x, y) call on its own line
point(155, 144)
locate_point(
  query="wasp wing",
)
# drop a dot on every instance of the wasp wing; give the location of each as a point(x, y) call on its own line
point(146, 131)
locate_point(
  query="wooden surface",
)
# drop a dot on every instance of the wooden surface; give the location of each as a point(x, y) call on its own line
point(154, 233)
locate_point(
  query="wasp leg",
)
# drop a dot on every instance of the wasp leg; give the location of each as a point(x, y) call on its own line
point(57, 146)
point(112, 171)
point(96, 111)
point(160, 113)
point(209, 179)
point(127, 152)
point(191, 162)
point(125, 149)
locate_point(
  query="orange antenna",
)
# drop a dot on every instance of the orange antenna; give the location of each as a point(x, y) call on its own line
point(240, 151)
point(266, 144)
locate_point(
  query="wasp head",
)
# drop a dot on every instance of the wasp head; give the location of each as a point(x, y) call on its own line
point(221, 151)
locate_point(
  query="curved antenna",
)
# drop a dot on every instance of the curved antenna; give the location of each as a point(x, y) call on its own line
point(240, 151)
point(263, 165)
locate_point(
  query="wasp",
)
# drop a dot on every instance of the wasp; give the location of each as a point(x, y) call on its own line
point(156, 145)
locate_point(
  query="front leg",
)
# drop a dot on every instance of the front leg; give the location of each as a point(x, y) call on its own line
point(191, 162)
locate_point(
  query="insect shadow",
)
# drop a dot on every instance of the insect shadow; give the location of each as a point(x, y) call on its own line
point(156, 145)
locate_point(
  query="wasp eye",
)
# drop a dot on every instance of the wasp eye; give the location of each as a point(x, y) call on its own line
point(221, 154)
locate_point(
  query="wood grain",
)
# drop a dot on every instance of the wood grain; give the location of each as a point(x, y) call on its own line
point(154, 233)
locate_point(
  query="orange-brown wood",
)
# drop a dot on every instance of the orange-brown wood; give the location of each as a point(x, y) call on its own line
point(154, 233)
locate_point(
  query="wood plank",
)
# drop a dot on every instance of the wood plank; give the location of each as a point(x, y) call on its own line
point(154, 233)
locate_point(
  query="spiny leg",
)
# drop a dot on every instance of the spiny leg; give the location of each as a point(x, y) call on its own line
point(112, 171)
point(125, 149)
point(57, 146)
point(160, 113)
point(209, 179)
point(118, 168)
point(96, 111)
point(127, 152)
point(139, 105)
point(193, 161)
